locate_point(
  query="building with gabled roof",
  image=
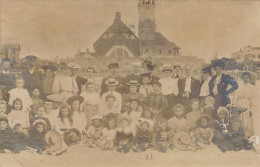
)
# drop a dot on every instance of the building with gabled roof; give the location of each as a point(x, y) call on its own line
point(119, 41)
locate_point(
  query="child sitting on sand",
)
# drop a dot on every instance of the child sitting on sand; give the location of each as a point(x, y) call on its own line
point(109, 132)
point(124, 135)
point(162, 137)
point(204, 131)
point(94, 132)
point(143, 137)
point(179, 134)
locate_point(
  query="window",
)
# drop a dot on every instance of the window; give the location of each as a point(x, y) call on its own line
point(161, 51)
point(258, 56)
point(119, 52)
point(170, 51)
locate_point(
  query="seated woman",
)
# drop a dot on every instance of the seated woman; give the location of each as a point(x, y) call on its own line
point(108, 106)
point(133, 94)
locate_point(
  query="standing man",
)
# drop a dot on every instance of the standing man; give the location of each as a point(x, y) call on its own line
point(218, 85)
point(204, 88)
point(7, 78)
point(189, 87)
point(74, 70)
point(31, 75)
point(177, 71)
point(169, 85)
point(65, 84)
point(47, 80)
point(150, 70)
point(113, 67)
point(135, 74)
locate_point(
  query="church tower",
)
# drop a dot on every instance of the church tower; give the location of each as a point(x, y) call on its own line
point(146, 29)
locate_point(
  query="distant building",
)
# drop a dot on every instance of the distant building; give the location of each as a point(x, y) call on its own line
point(120, 41)
point(10, 51)
point(250, 57)
point(86, 54)
point(247, 53)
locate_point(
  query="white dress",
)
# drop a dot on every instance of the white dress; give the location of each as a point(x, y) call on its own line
point(245, 97)
point(19, 116)
point(169, 86)
point(64, 85)
point(79, 121)
point(22, 94)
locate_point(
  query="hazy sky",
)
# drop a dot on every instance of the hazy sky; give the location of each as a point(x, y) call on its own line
point(61, 27)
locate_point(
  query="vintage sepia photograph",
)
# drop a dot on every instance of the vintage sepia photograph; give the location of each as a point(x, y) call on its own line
point(129, 83)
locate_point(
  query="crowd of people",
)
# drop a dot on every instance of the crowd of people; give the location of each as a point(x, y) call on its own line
point(48, 111)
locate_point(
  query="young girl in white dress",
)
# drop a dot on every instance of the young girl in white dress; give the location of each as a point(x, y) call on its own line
point(134, 113)
point(18, 115)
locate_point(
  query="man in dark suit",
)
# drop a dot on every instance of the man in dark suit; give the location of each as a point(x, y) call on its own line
point(113, 74)
point(189, 87)
point(218, 85)
point(7, 77)
point(135, 75)
point(31, 75)
point(204, 86)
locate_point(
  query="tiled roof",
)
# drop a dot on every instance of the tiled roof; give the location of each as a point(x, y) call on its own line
point(159, 40)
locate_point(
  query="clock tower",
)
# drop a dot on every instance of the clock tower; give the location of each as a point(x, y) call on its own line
point(146, 29)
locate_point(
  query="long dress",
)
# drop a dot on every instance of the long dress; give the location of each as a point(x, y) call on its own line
point(91, 105)
point(244, 98)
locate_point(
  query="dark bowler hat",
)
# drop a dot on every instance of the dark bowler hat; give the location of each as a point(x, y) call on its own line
point(75, 98)
point(49, 67)
point(151, 67)
point(31, 58)
point(113, 65)
point(146, 75)
point(207, 69)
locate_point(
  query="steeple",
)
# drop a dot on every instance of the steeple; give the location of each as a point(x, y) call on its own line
point(117, 17)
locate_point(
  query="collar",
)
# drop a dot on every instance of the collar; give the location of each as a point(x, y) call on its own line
point(6, 72)
point(31, 70)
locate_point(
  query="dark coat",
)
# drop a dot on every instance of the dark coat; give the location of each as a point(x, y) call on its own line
point(8, 81)
point(222, 99)
point(31, 80)
point(195, 87)
point(6, 139)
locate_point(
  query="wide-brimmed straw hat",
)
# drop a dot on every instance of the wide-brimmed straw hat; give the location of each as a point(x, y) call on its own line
point(133, 83)
point(75, 98)
point(111, 81)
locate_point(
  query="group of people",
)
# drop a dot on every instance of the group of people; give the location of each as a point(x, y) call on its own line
point(48, 111)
